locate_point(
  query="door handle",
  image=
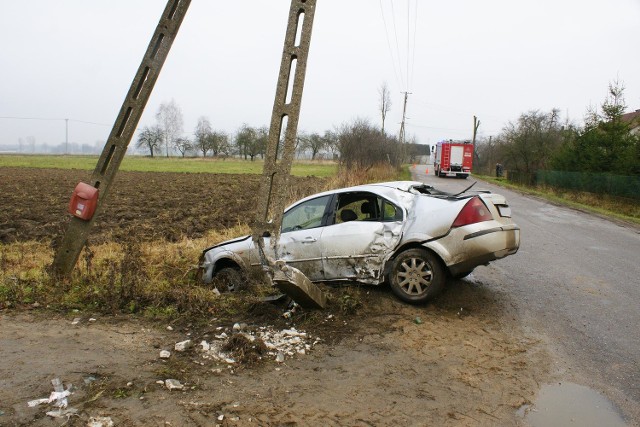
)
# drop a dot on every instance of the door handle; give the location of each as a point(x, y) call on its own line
point(309, 240)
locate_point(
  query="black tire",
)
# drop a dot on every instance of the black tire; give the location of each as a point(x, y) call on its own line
point(228, 279)
point(462, 275)
point(416, 276)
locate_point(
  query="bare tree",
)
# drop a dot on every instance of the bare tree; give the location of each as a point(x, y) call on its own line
point(202, 135)
point(248, 141)
point(385, 102)
point(169, 117)
point(150, 137)
point(362, 146)
point(528, 144)
point(218, 143)
point(183, 145)
point(313, 143)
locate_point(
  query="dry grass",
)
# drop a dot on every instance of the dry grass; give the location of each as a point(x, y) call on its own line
point(378, 173)
point(157, 279)
point(602, 204)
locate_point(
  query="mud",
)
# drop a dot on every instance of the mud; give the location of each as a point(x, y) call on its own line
point(461, 361)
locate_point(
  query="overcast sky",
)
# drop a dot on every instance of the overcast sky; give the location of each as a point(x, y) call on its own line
point(494, 59)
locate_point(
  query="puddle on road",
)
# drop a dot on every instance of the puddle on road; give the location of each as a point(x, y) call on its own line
point(567, 404)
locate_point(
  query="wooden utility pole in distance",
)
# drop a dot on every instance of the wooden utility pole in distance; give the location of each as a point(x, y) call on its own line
point(404, 116)
point(125, 125)
point(476, 125)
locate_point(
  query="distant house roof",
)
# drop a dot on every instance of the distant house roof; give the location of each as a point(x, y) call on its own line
point(634, 121)
point(633, 117)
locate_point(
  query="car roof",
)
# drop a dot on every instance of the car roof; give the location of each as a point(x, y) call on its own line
point(387, 189)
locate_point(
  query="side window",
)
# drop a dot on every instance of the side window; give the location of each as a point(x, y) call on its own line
point(365, 207)
point(306, 215)
point(391, 212)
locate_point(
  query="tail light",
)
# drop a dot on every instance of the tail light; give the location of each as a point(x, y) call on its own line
point(474, 211)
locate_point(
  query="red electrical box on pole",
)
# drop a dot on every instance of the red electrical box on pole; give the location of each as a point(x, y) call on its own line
point(453, 158)
point(83, 201)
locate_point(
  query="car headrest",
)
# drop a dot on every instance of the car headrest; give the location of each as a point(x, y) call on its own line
point(348, 215)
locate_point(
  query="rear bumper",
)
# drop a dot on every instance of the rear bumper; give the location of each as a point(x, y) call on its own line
point(480, 246)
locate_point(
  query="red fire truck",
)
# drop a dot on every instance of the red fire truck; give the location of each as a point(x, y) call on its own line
point(453, 158)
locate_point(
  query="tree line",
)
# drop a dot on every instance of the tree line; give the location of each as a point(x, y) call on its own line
point(540, 140)
point(358, 144)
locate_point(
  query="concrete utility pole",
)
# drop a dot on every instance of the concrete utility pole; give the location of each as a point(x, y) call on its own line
point(404, 116)
point(125, 125)
point(66, 136)
point(284, 121)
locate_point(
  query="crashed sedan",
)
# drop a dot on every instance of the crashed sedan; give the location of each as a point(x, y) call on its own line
point(403, 233)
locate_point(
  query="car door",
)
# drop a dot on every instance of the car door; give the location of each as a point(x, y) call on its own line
point(302, 228)
point(363, 230)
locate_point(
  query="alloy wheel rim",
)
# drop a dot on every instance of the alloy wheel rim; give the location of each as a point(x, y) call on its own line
point(415, 276)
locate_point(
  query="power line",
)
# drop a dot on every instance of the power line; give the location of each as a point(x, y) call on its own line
point(52, 119)
point(386, 33)
point(395, 32)
point(408, 40)
point(415, 30)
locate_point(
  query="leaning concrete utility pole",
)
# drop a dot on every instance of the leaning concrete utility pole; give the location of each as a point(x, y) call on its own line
point(279, 157)
point(284, 117)
point(125, 125)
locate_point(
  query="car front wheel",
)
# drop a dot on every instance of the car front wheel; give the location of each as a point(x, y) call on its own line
point(416, 276)
point(228, 279)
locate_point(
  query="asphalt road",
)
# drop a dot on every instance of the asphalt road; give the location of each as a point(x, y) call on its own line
point(576, 282)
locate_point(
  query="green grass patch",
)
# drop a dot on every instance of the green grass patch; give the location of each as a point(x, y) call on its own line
point(320, 169)
point(602, 204)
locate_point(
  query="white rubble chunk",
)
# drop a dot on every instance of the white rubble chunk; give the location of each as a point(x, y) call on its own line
point(172, 384)
point(100, 422)
point(183, 345)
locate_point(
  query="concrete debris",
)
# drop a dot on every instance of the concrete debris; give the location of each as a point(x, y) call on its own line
point(57, 398)
point(37, 402)
point(169, 328)
point(62, 413)
point(100, 422)
point(280, 344)
point(165, 354)
point(183, 345)
point(76, 321)
point(239, 327)
point(172, 384)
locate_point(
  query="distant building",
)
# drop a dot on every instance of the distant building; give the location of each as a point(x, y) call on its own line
point(634, 121)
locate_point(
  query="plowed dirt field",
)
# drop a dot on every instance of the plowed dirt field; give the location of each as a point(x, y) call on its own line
point(141, 205)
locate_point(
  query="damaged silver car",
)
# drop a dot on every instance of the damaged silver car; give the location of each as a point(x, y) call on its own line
point(404, 233)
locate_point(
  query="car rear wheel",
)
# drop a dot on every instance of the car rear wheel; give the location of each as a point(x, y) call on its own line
point(461, 275)
point(228, 279)
point(416, 276)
